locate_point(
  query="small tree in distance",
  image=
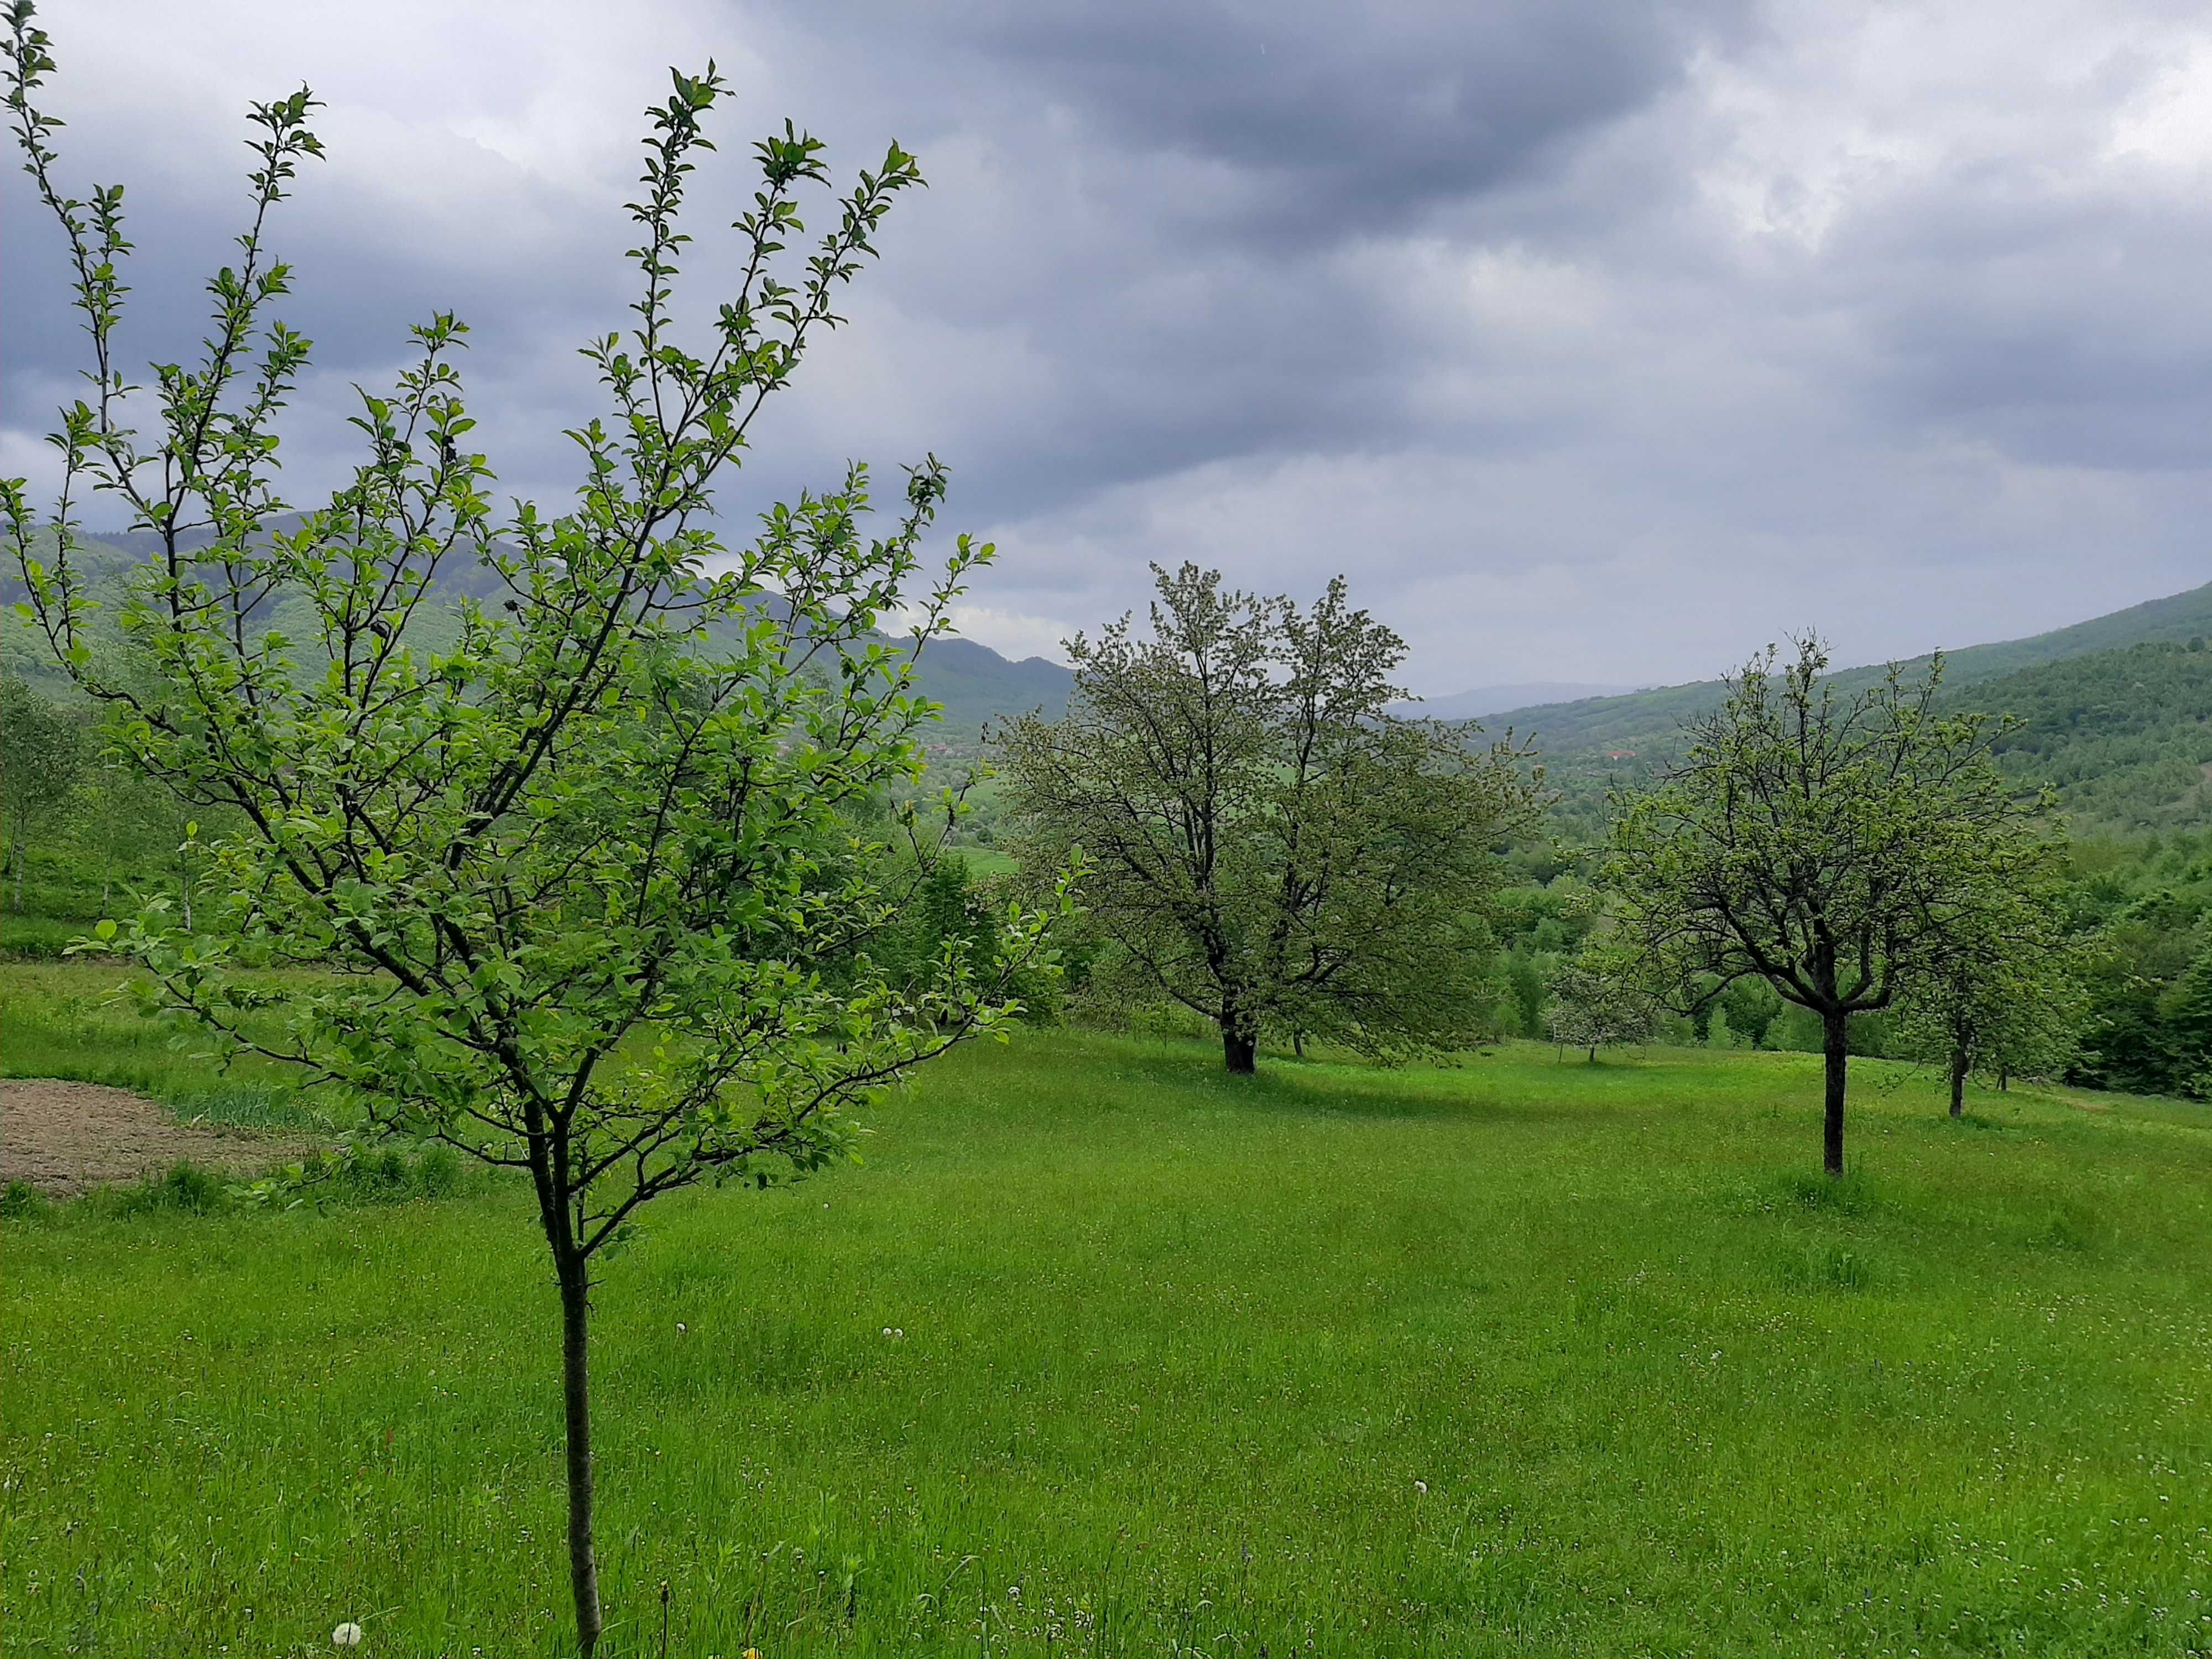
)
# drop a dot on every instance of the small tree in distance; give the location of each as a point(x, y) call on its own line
point(1597, 1002)
point(573, 869)
point(1841, 848)
point(2006, 1000)
point(1264, 844)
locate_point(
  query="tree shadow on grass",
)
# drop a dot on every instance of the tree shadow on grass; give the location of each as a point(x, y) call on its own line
point(1400, 1094)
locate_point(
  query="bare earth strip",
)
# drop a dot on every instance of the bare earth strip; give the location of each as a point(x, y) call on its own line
point(64, 1138)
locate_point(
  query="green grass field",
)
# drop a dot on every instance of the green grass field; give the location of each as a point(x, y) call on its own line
point(1512, 1358)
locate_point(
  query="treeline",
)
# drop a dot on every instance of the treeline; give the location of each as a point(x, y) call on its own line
point(82, 827)
point(2143, 910)
point(2120, 737)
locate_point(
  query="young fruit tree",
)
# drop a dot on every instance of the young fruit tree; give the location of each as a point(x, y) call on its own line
point(1843, 847)
point(1263, 842)
point(576, 883)
point(1598, 1001)
point(2006, 1002)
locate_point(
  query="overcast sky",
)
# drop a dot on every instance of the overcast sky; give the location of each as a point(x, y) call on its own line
point(1593, 342)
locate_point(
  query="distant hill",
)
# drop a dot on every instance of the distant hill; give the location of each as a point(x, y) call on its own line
point(2123, 736)
point(1644, 718)
point(1489, 699)
point(975, 683)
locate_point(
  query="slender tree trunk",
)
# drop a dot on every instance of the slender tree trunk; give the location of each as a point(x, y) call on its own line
point(2004, 1078)
point(1958, 1082)
point(1835, 1030)
point(576, 1385)
point(1298, 1044)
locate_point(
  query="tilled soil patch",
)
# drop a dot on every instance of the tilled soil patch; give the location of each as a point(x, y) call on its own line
point(64, 1138)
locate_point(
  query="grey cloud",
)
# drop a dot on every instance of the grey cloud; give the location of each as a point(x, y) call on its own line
point(1340, 124)
point(1596, 342)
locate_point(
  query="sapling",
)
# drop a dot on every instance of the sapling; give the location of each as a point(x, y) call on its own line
point(584, 855)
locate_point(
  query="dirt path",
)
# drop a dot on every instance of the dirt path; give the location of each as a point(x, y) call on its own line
point(63, 1138)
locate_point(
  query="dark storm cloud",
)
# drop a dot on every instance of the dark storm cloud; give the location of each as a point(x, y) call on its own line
point(1598, 342)
point(1337, 123)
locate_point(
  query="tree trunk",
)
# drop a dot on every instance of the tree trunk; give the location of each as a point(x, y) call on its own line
point(1958, 1082)
point(1240, 1046)
point(1298, 1044)
point(1835, 1029)
point(2004, 1078)
point(576, 1384)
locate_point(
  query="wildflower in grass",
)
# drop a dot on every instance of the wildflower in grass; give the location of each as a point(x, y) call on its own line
point(1421, 1488)
point(346, 1635)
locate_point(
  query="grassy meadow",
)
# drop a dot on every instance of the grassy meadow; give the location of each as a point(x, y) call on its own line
point(1510, 1356)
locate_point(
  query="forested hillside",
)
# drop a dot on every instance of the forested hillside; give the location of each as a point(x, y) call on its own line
point(2119, 732)
point(2124, 738)
point(975, 683)
point(1644, 717)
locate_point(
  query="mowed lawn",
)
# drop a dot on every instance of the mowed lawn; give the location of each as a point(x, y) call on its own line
point(1515, 1356)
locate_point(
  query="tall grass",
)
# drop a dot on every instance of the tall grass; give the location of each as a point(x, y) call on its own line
point(1104, 1352)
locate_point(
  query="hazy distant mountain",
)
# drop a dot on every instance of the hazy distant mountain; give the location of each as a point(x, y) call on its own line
point(1489, 699)
point(975, 683)
point(1638, 719)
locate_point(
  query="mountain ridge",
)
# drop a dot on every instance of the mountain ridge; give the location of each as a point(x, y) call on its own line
point(1492, 699)
point(976, 685)
point(1626, 721)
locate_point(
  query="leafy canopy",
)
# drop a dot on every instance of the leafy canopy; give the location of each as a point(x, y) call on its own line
point(1842, 846)
point(1265, 844)
point(580, 872)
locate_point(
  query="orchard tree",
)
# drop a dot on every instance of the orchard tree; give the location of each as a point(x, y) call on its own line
point(1840, 847)
point(2006, 1000)
point(570, 867)
point(1264, 843)
point(1597, 1001)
